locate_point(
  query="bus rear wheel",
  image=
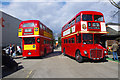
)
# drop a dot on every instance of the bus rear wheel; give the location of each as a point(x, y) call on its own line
point(64, 52)
point(78, 57)
point(45, 52)
point(52, 50)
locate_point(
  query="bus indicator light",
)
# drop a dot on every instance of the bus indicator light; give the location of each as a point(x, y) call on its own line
point(33, 46)
point(38, 40)
point(105, 52)
point(85, 52)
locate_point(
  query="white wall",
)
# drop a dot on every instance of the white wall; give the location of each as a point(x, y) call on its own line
point(115, 27)
point(10, 31)
point(0, 32)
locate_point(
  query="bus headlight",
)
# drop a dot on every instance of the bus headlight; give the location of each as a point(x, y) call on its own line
point(105, 52)
point(85, 52)
point(29, 53)
point(38, 40)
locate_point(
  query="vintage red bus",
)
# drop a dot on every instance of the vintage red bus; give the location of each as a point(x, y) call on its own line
point(37, 39)
point(82, 34)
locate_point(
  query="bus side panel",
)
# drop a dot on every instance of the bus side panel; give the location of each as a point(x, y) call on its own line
point(62, 42)
point(42, 46)
point(73, 47)
point(38, 49)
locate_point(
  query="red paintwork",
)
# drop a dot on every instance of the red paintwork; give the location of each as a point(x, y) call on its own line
point(39, 46)
point(1, 22)
point(71, 48)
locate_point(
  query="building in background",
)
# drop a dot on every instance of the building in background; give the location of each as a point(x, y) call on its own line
point(9, 30)
point(114, 34)
point(56, 45)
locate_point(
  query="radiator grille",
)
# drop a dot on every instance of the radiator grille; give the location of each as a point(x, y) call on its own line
point(96, 53)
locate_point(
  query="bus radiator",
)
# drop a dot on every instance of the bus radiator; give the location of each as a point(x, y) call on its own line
point(96, 53)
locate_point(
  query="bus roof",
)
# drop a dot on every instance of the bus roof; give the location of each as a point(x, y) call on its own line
point(91, 12)
point(27, 21)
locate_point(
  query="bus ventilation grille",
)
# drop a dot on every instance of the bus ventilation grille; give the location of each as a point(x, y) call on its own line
point(96, 53)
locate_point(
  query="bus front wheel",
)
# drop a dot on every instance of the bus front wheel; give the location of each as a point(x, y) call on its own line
point(104, 59)
point(78, 57)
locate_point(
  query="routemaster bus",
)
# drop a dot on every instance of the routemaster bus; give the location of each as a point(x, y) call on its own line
point(81, 36)
point(37, 39)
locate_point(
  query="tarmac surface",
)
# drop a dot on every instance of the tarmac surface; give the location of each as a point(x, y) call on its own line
point(56, 65)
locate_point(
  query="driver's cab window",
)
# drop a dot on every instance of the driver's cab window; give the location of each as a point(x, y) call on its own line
point(97, 39)
point(87, 38)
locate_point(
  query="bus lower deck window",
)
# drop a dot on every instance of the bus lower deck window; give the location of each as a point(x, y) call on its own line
point(29, 40)
point(66, 40)
point(73, 40)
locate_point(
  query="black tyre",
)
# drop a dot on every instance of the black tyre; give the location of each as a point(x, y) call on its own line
point(45, 52)
point(78, 57)
point(104, 59)
point(52, 50)
point(64, 52)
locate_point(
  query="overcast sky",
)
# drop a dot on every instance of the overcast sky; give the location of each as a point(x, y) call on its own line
point(55, 13)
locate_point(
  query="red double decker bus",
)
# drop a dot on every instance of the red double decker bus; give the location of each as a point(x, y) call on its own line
point(37, 39)
point(82, 34)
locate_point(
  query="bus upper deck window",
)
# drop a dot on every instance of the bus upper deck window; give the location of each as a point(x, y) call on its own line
point(86, 17)
point(98, 18)
point(41, 26)
point(78, 19)
point(28, 25)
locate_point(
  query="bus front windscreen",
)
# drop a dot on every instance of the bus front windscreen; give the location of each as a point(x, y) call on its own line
point(29, 40)
point(98, 17)
point(87, 38)
point(86, 17)
point(28, 25)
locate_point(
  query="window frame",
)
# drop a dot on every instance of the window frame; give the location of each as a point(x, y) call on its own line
point(69, 40)
point(24, 24)
point(78, 18)
point(87, 18)
point(44, 27)
point(33, 42)
point(73, 40)
point(98, 18)
point(44, 41)
point(41, 26)
point(73, 21)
